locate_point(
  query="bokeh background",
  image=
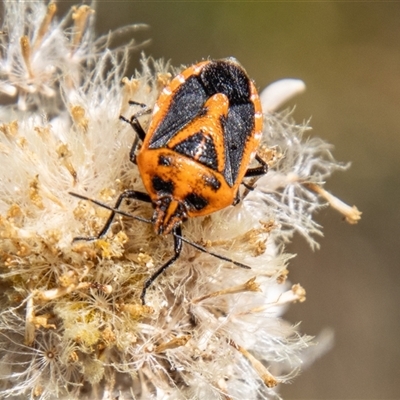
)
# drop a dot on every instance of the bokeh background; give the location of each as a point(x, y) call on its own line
point(348, 54)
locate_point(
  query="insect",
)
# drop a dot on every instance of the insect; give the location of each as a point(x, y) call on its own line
point(205, 129)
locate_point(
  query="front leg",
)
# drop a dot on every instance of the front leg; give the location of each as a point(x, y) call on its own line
point(127, 194)
point(177, 232)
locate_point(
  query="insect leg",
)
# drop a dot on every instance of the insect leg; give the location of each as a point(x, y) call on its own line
point(251, 172)
point(136, 103)
point(261, 170)
point(177, 250)
point(248, 187)
point(135, 124)
point(127, 194)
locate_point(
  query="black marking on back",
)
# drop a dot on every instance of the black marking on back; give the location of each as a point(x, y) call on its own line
point(195, 201)
point(200, 146)
point(238, 126)
point(212, 182)
point(164, 161)
point(161, 186)
point(229, 79)
point(188, 103)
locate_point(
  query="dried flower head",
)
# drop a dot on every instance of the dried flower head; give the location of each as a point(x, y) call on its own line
point(71, 323)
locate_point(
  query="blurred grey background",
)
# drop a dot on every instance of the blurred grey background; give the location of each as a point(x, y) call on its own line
point(348, 54)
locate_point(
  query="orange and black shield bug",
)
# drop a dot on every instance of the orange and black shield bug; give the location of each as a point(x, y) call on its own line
point(204, 132)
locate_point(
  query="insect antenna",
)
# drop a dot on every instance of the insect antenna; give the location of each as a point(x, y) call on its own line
point(148, 221)
point(178, 239)
point(204, 250)
point(117, 211)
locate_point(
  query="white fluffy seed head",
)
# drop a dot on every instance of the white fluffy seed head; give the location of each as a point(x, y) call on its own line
point(209, 328)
